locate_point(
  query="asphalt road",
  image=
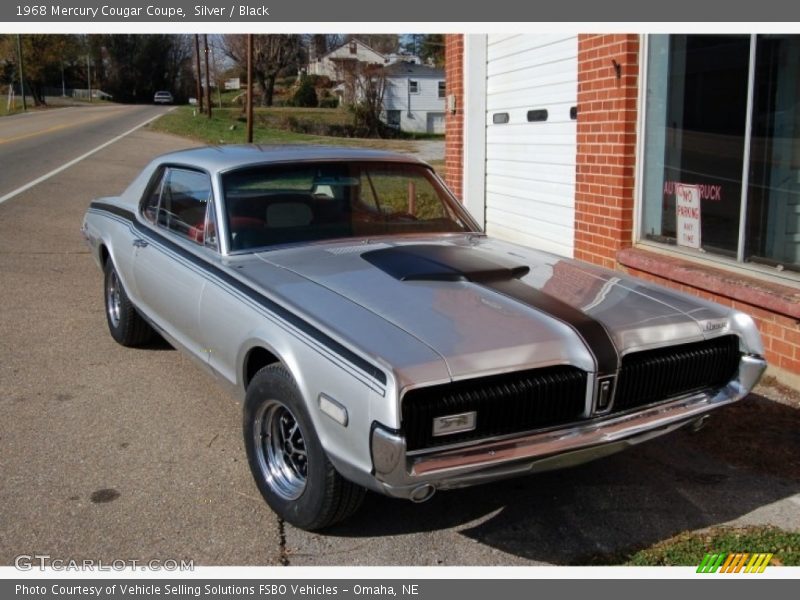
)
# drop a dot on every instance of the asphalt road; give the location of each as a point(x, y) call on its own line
point(112, 453)
point(35, 143)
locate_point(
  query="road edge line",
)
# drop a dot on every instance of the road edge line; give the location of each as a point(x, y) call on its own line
point(75, 161)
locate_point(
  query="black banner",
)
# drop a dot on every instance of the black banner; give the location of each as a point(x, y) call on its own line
point(421, 589)
point(408, 11)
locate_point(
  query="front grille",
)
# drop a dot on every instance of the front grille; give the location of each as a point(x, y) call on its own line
point(658, 375)
point(505, 404)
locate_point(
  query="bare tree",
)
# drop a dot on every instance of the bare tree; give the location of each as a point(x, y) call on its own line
point(319, 44)
point(365, 85)
point(271, 54)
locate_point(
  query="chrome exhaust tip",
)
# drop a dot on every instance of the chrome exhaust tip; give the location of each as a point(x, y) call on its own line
point(422, 494)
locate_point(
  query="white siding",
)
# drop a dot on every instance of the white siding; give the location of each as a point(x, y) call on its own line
point(426, 100)
point(530, 166)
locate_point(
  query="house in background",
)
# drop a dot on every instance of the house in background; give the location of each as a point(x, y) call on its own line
point(340, 61)
point(414, 98)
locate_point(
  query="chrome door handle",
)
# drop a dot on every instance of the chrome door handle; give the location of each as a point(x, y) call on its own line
point(139, 243)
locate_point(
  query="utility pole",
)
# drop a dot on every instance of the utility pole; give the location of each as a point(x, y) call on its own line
point(199, 73)
point(249, 88)
point(21, 73)
point(216, 78)
point(208, 79)
point(89, 78)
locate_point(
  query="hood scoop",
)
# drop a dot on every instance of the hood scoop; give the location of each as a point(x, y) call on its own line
point(431, 262)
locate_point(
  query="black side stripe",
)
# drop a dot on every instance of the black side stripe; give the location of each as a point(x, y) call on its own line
point(270, 305)
point(429, 262)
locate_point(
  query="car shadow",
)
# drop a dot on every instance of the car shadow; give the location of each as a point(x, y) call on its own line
point(601, 512)
point(158, 343)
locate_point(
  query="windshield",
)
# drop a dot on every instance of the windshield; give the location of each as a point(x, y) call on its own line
point(283, 204)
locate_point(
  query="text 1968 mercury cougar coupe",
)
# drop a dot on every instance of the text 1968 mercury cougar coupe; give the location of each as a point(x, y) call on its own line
point(380, 341)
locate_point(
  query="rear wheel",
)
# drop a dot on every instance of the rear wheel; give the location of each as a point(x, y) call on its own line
point(286, 457)
point(125, 324)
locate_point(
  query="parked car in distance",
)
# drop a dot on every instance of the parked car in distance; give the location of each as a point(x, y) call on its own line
point(380, 341)
point(163, 98)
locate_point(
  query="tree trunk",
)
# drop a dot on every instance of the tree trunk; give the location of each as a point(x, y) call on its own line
point(37, 93)
point(262, 85)
point(270, 88)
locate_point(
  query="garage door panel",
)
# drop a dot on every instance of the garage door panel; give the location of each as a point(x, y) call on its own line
point(530, 166)
point(551, 155)
point(514, 53)
point(525, 223)
point(524, 171)
point(562, 93)
point(529, 226)
point(546, 134)
point(521, 237)
point(548, 192)
point(557, 114)
point(531, 78)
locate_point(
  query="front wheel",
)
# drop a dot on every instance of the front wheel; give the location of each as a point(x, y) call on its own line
point(286, 457)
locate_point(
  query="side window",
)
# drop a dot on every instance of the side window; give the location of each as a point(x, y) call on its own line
point(184, 203)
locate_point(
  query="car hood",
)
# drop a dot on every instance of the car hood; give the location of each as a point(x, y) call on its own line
point(449, 295)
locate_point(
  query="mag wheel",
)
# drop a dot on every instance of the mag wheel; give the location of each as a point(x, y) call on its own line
point(286, 457)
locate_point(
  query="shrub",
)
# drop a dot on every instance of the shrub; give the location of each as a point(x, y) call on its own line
point(305, 95)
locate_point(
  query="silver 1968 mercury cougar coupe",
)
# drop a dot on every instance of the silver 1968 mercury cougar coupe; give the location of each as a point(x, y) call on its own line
point(380, 341)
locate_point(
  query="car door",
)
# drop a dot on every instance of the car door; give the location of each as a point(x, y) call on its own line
point(169, 264)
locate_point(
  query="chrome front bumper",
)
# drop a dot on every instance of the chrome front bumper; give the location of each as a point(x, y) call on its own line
point(417, 475)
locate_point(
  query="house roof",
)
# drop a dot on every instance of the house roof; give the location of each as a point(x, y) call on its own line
point(329, 54)
point(404, 69)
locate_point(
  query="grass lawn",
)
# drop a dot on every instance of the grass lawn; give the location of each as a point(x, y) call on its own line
point(227, 126)
point(688, 549)
point(14, 109)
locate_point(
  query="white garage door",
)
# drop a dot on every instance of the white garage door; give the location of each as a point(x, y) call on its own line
point(531, 92)
point(435, 122)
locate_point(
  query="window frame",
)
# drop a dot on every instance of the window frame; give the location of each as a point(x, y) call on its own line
point(416, 89)
point(737, 264)
point(441, 89)
point(159, 178)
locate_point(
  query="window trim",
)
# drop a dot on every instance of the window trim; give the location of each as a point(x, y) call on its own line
point(737, 265)
point(416, 86)
point(160, 173)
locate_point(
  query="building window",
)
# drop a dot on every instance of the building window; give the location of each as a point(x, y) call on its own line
point(722, 146)
point(441, 89)
point(393, 118)
point(353, 48)
point(413, 86)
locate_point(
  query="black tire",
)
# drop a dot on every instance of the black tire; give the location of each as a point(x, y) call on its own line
point(125, 324)
point(299, 483)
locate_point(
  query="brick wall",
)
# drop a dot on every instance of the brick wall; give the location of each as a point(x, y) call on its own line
point(606, 159)
point(454, 122)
